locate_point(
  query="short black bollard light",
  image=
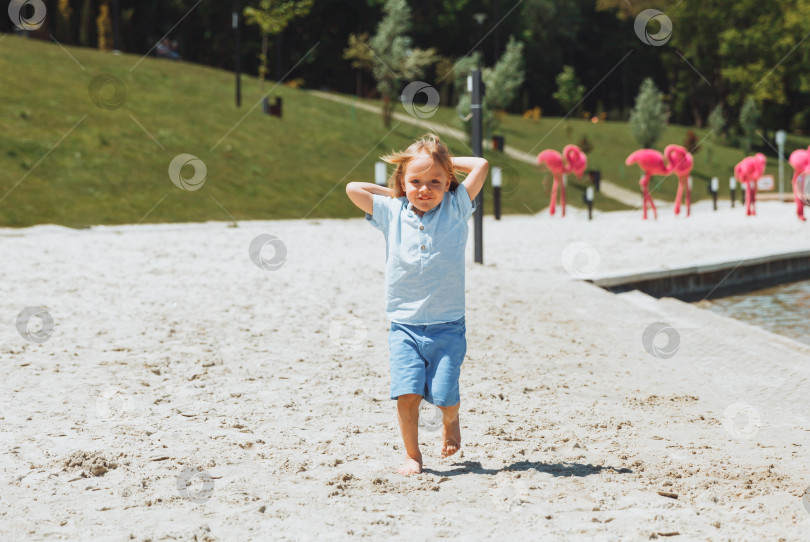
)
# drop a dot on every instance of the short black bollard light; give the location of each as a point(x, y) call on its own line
point(496, 191)
point(732, 184)
point(273, 109)
point(380, 174)
point(587, 197)
point(713, 188)
point(595, 177)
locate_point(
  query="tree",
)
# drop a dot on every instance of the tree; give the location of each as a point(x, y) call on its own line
point(569, 90)
point(360, 55)
point(649, 116)
point(86, 24)
point(727, 49)
point(272, 17)
point(749, 118)
point(395, 60)
point(64, 28)
point(502, 81)
point(444, 73)
point(505, 78)
point(717, 122)
point(556, 32)
point(104, 26)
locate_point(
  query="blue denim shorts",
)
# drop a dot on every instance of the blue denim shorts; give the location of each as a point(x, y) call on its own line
point(426, 360)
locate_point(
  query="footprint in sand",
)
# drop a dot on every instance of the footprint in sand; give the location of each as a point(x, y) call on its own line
point(741, 421)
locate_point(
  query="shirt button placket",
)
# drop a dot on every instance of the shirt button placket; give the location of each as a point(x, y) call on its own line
point(422, 237)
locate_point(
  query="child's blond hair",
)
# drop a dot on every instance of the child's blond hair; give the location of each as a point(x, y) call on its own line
point(428, 143)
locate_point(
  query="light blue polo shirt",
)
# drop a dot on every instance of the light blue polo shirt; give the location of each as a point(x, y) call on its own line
point(424, 257)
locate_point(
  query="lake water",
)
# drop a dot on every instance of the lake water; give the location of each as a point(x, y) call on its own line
point(782, 309)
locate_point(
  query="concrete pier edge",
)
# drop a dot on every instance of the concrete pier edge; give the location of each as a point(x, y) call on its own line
point(713, 279)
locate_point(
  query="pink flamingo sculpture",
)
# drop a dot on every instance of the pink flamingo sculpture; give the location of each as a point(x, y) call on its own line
point(749, 170)
point(572, 160)
point(577, 160)
point(681, 161)
point(800, 160)
point(759, 170)
point(652, 163)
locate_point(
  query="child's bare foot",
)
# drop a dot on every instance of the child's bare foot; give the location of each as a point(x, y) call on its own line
point(451, 438)
point(411, 466)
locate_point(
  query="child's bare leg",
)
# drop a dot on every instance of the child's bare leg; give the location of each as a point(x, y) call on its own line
point(408, 414)
point(451, 432)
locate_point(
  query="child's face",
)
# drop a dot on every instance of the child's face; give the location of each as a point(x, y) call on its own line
point(425, 183)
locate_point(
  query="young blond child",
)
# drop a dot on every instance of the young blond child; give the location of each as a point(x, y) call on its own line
point(423, 214)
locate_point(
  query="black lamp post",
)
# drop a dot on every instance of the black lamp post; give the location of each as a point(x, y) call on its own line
point(477, 90)
point(477, 128)
point(235, 22)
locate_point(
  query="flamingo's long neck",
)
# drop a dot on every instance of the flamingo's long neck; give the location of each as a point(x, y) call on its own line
point(569, 159)
point(674, 158)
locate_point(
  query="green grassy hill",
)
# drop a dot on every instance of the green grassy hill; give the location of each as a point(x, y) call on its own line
point(109, 170)
point(64, 160)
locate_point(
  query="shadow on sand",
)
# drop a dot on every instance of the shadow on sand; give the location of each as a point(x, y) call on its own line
point(555, 469)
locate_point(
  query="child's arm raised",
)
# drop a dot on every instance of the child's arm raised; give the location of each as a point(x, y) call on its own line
point(476, 168)
point(361, 194)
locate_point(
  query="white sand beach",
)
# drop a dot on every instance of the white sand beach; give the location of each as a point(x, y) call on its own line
point(188, 394)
